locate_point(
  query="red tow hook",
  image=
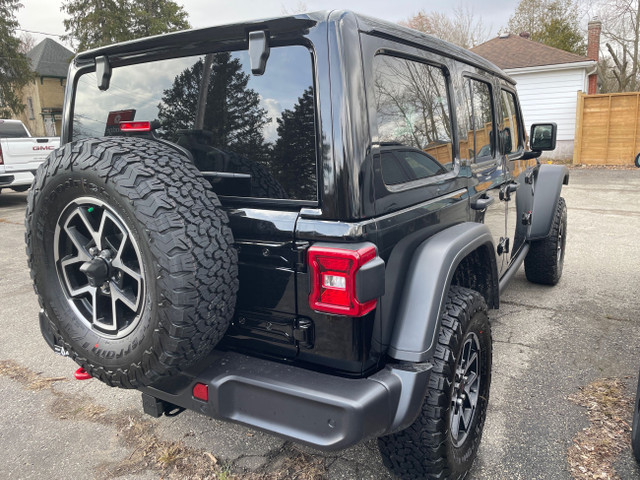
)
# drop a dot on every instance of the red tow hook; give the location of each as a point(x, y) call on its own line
point(81, 374)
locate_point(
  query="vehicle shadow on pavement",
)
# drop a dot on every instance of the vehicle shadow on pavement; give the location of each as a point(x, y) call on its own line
point(13, 199)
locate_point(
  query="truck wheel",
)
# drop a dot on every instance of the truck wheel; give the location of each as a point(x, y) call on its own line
point(131, 258)
point(444, 439)
point(635, 428)
point(543, 264)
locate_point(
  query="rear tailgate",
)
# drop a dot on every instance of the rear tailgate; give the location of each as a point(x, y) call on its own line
point(22, 154)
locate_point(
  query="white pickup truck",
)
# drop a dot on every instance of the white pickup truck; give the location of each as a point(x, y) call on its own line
point(21, 154)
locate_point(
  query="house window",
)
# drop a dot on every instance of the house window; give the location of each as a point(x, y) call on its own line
point(32, 115)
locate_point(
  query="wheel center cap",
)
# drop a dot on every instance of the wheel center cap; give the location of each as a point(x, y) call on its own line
point(96, 270)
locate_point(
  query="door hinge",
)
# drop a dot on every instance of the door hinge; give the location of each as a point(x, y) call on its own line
point(300, 248)
point(303, 333)
point(503, 246)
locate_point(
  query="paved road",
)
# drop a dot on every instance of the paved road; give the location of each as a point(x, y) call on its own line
point(547, 343)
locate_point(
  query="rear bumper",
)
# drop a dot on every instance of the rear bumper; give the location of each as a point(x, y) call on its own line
point(317, 409)
point(15, 179)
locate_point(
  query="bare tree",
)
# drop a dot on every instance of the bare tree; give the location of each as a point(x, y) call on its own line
point(300, 7)
point(27, 42)
point(462, 28)
point(621, 29)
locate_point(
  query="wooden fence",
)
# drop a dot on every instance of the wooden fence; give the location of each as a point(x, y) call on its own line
point(607, 129)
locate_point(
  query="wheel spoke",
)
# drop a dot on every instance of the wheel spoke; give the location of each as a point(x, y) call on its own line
point(94, 306)
point(78, 240)
point(81, 212)
point(470, 384)
point(465, 418)
point(71, 259)
point(471, 364)
point(119, 264)
point(455, 424)
point(130, 301)
point(76, 292)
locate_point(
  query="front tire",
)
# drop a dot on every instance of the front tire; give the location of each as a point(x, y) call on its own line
point(635, 428)
point(131, 257)
point(545, 260)
point(443, 441)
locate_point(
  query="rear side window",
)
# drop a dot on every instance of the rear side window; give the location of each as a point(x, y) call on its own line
point(412, 110)
point(510, 124)
point(400, 165)
point(475, 123)
point(251, 136)
point(12, 130)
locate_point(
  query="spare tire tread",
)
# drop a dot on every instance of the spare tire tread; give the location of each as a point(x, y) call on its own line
point(187, 233)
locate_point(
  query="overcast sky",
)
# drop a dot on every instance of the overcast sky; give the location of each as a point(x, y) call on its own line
point(45, 15)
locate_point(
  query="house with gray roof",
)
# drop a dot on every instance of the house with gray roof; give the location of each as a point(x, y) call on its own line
point(44, 95)
point(548, 80)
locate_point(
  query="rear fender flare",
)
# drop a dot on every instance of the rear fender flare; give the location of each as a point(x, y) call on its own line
point(433, 265)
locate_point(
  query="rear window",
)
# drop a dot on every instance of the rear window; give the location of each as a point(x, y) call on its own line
point(251, 136)
point(12, 130)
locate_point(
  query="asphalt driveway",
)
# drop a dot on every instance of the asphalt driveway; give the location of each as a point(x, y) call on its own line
point(548, 343)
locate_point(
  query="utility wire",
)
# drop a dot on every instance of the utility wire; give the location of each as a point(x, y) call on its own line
point(40, 33)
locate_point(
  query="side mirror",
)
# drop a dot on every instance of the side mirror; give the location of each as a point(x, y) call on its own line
point(543, 136)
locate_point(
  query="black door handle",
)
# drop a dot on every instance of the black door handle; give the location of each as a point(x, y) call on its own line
point(482, 202)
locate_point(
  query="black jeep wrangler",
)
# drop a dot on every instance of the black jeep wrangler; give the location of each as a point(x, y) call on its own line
point(297, 224)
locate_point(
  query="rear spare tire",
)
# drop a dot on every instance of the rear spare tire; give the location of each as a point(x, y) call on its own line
point(131, 258)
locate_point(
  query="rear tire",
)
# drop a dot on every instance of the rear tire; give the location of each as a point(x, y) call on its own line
point(443, 441)
point(131, 258)
point(544, 262)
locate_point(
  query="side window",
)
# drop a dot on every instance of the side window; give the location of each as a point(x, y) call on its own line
point(510, 123)
point(250, 136)
point(413, 119)
point(475, 124)
point(400, 165)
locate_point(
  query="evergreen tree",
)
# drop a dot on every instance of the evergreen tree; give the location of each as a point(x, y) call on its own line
point(293, 160)
point(555, 23)
point(94, 23)
point(15, 72)
point(233, 114)
point(153, 17)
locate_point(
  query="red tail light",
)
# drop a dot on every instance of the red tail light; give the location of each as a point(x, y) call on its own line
point(1, 159)
point(133, 127)
point(333, 280)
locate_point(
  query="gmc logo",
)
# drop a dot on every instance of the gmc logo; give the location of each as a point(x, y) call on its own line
point(44, 147)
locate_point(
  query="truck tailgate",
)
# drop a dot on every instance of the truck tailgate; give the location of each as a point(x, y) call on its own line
point(27, 153)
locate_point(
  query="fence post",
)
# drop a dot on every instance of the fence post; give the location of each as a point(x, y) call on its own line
point(577, 140)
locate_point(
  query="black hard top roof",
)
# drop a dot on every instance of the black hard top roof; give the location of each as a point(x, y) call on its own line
point(288, 25)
